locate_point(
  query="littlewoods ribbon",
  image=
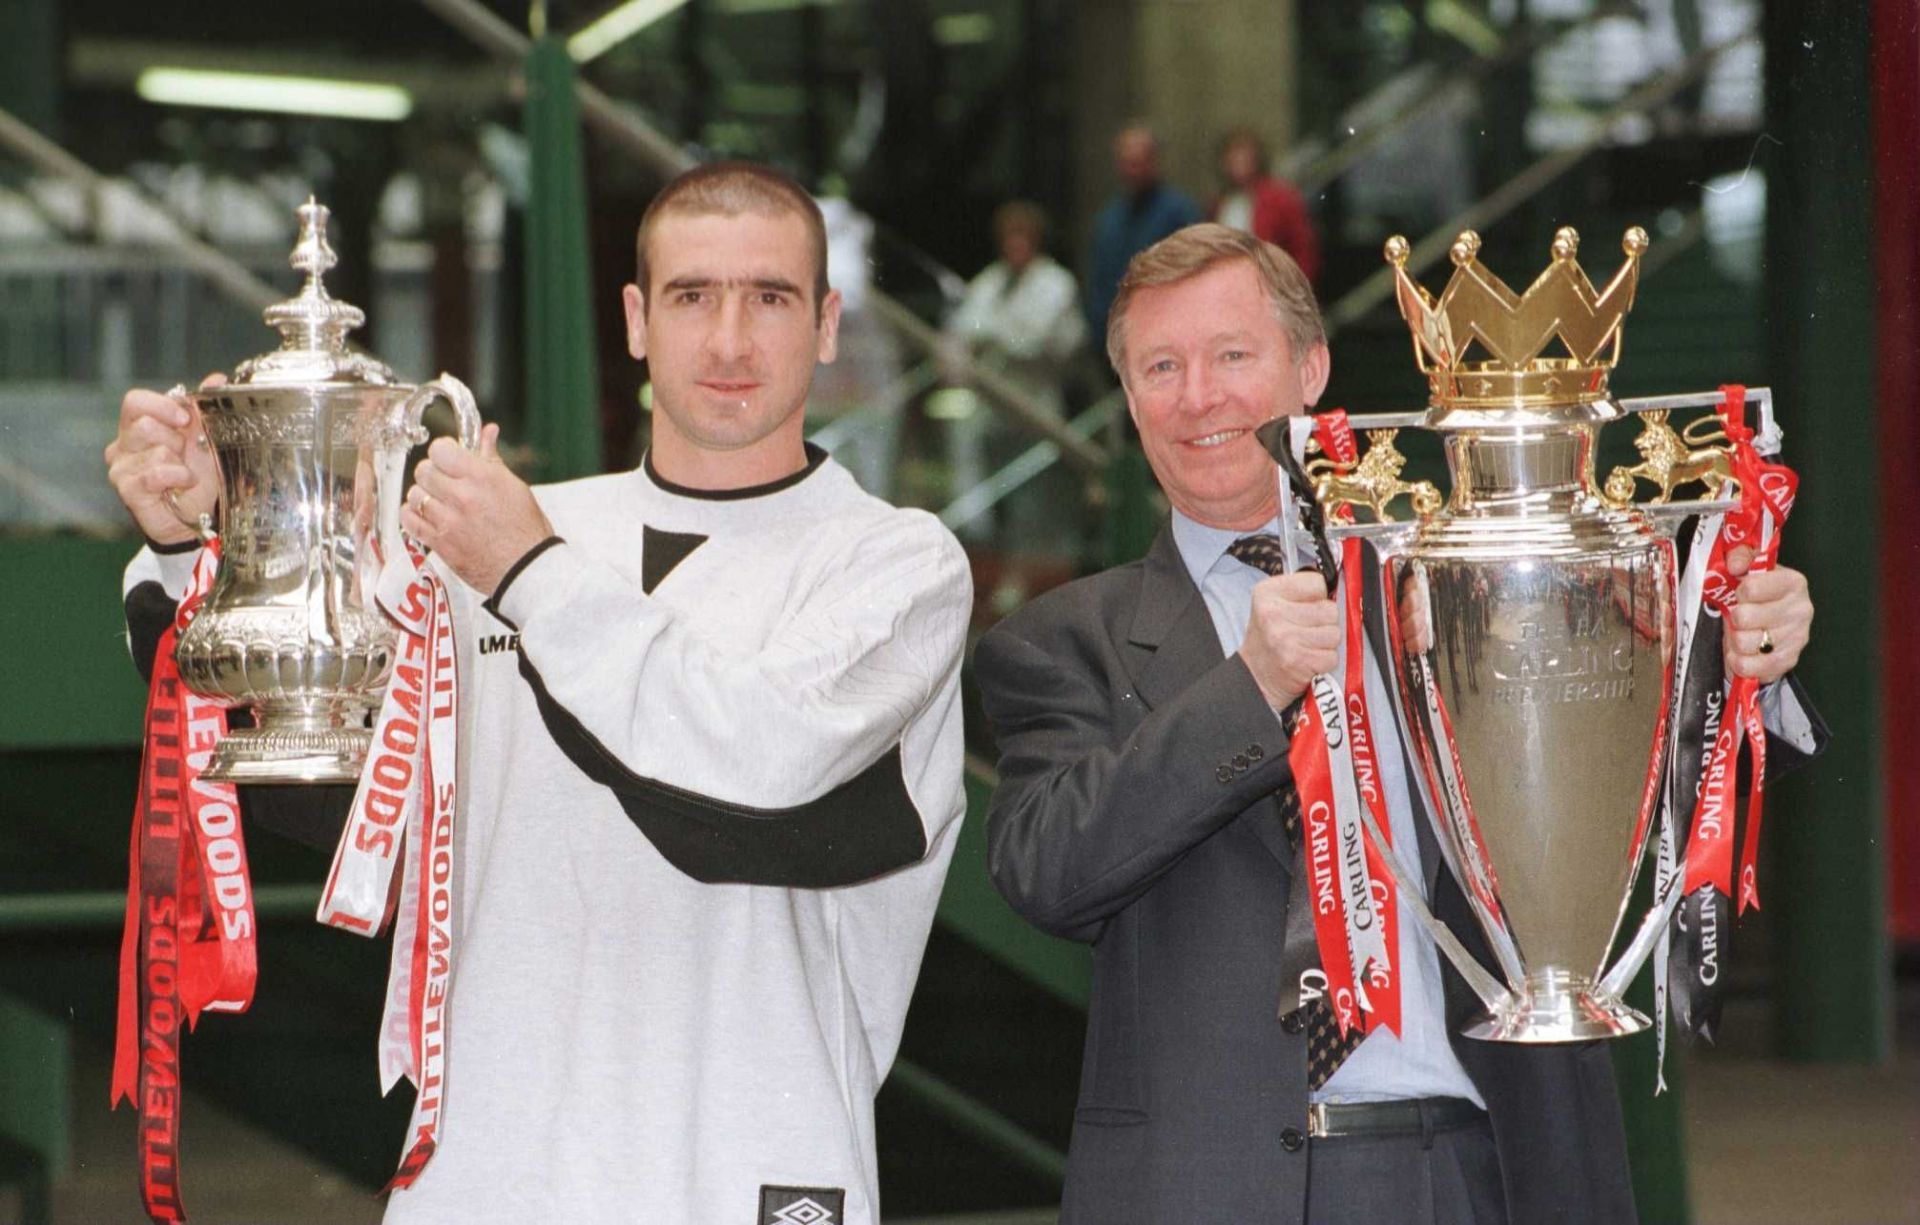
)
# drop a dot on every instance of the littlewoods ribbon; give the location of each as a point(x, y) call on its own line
point(1335, 767)
point(188, 944)
point(402, 816)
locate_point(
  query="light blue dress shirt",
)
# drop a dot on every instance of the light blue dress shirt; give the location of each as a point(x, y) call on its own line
point(1420, 1062)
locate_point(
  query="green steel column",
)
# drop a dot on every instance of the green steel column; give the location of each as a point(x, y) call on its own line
point(1823, 887)
point(562, 412)
point(31, 55)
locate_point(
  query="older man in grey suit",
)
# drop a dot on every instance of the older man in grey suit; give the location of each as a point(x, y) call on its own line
point(1143, 808)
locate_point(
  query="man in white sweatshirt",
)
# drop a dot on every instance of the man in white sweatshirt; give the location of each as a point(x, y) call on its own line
point(711, 760)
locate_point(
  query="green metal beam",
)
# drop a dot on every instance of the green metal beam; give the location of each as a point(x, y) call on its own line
point(982, 1122)
point(40, 912)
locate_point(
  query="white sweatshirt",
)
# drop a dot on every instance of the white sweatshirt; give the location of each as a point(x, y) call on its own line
point(711, 777)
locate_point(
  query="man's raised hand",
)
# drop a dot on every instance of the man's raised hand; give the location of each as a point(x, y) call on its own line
point(471, 509)
point(160, 448)
point(1771, 623)
point(1293, 635)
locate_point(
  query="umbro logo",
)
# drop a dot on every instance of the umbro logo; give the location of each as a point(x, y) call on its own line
point(802, 1205)
point(489, 643)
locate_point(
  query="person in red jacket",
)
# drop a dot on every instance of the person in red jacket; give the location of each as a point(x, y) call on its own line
point(1270, 209)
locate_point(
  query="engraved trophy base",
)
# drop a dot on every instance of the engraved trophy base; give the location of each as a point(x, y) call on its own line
point(1555, 1006)
point(291, 747)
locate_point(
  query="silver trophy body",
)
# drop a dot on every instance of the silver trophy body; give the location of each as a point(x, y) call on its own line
point(1531, 631)
point(311, 442)
point(1536, 712)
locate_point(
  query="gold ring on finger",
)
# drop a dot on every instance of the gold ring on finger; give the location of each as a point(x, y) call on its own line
point(1766, 642)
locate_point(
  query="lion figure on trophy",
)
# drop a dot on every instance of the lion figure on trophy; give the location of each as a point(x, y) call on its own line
point(1671, 458)
point(1374, 481)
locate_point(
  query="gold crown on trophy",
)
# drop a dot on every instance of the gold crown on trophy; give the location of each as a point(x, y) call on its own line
point(1515, 332)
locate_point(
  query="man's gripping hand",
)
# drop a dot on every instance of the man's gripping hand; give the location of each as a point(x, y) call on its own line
point(1773, 609)
point(468, 507)
point(159, 449)
point(1292, 636)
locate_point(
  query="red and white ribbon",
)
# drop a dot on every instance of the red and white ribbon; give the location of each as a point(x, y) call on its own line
point(1767, 491)
point(403, 816)
point(189, 941)
point(1336, 768)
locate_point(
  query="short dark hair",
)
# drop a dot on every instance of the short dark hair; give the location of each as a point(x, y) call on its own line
point(729, 189)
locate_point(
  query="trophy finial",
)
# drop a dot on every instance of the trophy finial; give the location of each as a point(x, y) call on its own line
point(312, 254)
point(313, 324)
point(314, 321)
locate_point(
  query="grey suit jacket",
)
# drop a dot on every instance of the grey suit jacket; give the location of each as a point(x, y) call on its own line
point(1135, 812)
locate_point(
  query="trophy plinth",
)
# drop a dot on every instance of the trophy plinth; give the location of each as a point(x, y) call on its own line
point(1555, 1006)
point(311, 443)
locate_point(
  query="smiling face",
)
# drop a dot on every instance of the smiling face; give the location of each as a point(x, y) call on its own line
point(731, 333)
point(1207, 362)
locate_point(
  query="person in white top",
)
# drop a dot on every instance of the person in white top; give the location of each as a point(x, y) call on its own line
point(1021, 316)
point(711, 761)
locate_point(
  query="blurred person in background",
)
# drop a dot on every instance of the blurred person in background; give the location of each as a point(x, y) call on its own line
point(1266, 207)
point(864, 378)
point(1020, 317)
point(1141, 213)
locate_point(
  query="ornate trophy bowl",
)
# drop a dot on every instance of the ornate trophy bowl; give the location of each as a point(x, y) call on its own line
point(1530, 625)
point(311, 442)
point(1536, 712)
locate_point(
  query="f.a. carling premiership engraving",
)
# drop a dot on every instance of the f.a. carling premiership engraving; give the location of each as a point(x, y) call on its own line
point(311, 442)
point(1530, 620)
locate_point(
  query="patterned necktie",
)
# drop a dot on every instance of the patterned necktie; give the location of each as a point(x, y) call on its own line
point(1327, 1049)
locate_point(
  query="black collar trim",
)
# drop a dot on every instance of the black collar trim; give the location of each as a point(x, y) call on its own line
point(815, 457)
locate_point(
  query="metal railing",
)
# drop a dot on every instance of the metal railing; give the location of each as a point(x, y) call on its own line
point(1377, 288)
point(603, 114)
point(1313, 164)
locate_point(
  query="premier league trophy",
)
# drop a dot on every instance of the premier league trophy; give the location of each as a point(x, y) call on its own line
point(311, 441)
point(1530, 621)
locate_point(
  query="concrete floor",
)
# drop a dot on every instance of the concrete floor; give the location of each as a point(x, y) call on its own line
point(1769, 1143)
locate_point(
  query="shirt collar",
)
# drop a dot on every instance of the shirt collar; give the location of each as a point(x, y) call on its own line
point(1201, 547)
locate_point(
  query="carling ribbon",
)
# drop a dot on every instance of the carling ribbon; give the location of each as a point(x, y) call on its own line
point(188, 944)
point(402, 816)
point(1335, 767)
point(1716, 830)
point(1699, 693)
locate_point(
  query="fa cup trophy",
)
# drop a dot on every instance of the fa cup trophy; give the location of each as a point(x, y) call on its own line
point(1530, 621)
point(311, 441)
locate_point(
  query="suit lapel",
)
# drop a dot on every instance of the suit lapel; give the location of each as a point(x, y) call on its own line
point(1174, 635)
point(1174, 643)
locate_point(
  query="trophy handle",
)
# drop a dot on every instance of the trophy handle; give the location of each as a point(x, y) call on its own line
point(1653, 926)
point(404, 428)
point(1493, 996)
point(202, 524)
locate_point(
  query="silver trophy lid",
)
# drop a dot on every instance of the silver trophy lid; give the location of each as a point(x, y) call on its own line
point(313, 324)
